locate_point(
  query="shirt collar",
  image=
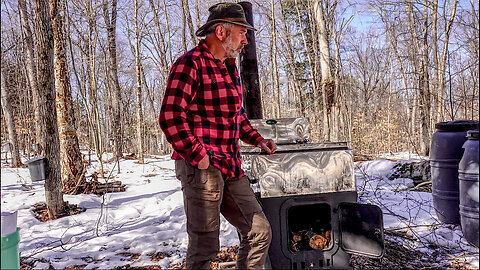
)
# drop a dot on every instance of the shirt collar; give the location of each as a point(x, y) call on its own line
point(206, 52)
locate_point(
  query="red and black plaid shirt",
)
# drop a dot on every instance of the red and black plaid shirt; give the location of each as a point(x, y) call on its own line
point(202, 111)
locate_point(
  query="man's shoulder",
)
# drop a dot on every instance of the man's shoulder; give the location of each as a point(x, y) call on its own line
point(194, 55)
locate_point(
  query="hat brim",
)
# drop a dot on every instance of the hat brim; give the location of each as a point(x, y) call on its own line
point(201, 31)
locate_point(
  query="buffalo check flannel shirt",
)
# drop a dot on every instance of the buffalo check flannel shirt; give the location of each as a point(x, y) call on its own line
point(202, 111)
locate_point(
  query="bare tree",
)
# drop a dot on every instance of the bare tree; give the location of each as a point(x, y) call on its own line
point(86, 74)
point(71, 160)
point(443, 63)
point(9, 119)
point(30, 63)
point(111, 24)
point(299, 99)
point(188, 18)
point(139, 87)
point(275, 81)
point(327, 83)
point(48, 132)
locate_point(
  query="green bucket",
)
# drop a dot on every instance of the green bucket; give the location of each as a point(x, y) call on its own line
point(10, 255)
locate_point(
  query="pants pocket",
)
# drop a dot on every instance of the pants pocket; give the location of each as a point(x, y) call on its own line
point(203, 210)
point(184, 171)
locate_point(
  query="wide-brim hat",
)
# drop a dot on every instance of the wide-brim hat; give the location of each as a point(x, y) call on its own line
point(225, 12)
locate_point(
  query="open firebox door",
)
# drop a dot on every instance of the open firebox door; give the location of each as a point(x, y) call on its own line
point(361, 229)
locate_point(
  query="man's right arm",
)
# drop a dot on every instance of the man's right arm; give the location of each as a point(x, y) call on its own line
point(180, 91)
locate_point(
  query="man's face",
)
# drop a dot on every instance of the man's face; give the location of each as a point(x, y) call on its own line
point(235, 40)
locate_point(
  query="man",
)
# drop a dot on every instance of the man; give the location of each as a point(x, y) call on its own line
point(202, 117)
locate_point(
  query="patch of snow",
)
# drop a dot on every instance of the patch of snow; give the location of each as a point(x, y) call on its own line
point(149, 217)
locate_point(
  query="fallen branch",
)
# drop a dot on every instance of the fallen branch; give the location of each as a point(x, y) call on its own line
point(402, 234)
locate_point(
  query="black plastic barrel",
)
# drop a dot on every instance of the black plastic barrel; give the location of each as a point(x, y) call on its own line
point(445, 154)
point(468, 177)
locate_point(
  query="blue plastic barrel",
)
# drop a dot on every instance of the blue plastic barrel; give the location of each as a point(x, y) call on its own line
point(468, 176)
point(445, 154)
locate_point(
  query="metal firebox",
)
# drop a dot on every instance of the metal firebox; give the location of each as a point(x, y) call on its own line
point(308, 193)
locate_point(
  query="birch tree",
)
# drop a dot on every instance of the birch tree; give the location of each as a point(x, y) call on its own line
point(71, 160)
point(139, 86)
point(327, 83)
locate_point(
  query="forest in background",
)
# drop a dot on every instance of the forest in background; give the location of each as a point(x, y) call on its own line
point(380, 85)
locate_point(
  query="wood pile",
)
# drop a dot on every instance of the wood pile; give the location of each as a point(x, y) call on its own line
point(99, 188)
point(307, 240)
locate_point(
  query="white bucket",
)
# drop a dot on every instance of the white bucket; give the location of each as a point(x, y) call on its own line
point(9, 223)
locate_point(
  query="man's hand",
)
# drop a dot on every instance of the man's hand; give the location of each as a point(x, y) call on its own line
point(268, 145)
point(204, 163)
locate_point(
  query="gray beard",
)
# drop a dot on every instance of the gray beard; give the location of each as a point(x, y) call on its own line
point(230, 49)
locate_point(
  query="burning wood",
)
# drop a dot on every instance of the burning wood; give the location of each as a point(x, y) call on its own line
point(306, 240)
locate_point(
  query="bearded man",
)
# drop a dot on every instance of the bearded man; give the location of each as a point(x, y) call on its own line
point(203, 118)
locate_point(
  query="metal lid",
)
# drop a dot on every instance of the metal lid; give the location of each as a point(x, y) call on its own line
point(458, 125)
point(35, 159)
point(472, 134)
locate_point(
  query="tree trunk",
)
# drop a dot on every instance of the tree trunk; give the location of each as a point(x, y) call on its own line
point(188, 16)
point(425, 94)
point(9, 119)
point(275, 82)
point(435, 56)
point(94, 117)
point(139, 89)
point(154, 115)
point(170, 58)
point(312, 64)
point(335, 108)
point(299, 101)
point(71, 161)
point(324, 53)
point(184, 28)
point(162, 48)
point(419, 73)
point(443, 63)
point(48, 133)
point(111, 24)
point(30, 63)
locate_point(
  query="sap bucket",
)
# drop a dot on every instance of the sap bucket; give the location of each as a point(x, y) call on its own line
point(445, 154)
point(468, 177)
point(10, 239)
point(36, 166)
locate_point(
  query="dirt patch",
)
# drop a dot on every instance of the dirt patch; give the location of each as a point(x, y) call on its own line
point(157, 256)
point(41, 213)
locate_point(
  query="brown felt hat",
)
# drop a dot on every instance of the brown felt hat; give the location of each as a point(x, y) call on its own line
point(225, 12)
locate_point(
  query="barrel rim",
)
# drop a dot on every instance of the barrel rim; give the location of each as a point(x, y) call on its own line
point(472, 134)
point(457, 125)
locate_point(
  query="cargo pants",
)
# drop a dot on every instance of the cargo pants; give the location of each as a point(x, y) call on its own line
point(206, 194)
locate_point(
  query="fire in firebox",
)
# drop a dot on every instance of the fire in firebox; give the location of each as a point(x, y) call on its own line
point(307, 240)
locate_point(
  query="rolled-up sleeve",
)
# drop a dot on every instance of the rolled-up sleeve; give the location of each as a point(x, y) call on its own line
point(180, 91)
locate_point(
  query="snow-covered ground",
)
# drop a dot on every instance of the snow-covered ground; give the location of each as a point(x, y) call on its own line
point(149, 217)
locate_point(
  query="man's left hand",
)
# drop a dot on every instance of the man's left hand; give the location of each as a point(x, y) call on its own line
point(268, 145)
